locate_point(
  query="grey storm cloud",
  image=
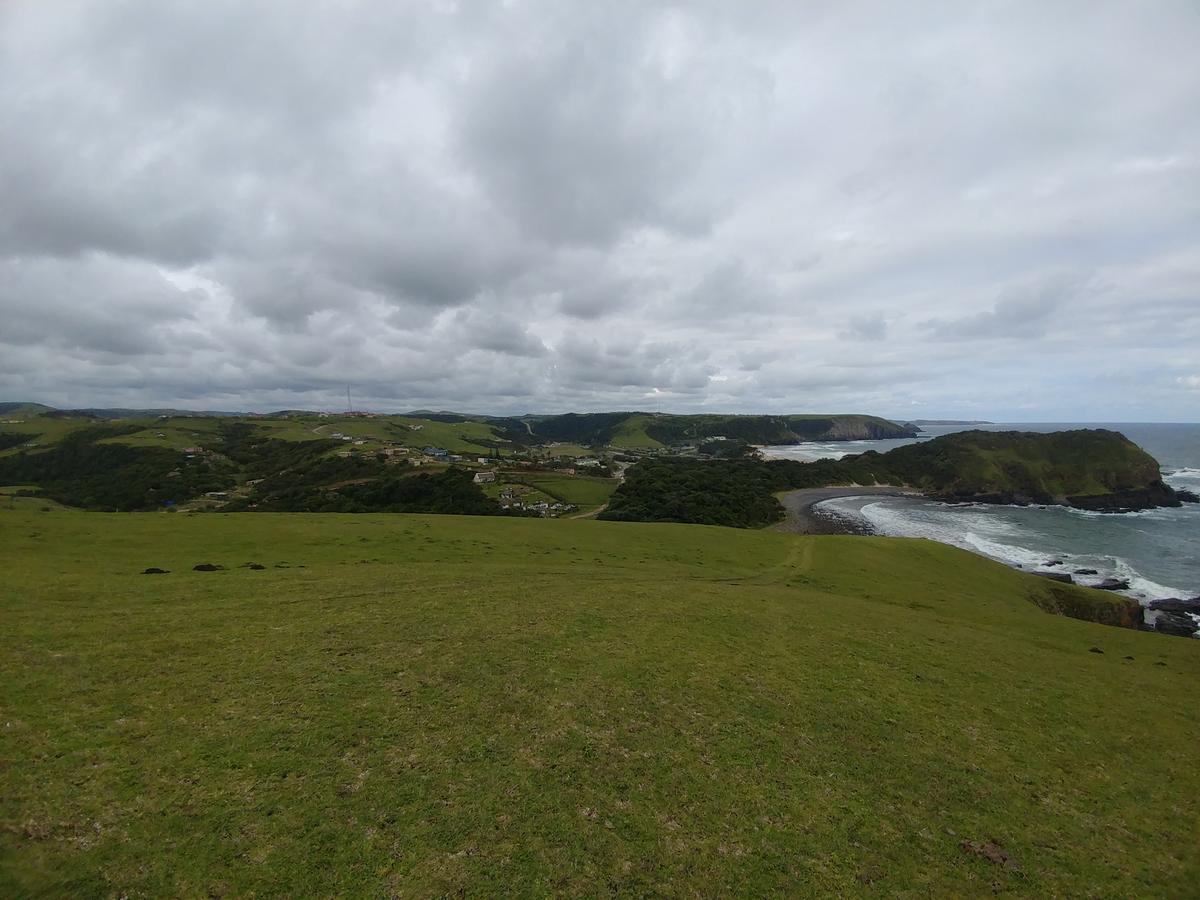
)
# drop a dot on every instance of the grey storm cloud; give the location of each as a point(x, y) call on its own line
point(990, 210)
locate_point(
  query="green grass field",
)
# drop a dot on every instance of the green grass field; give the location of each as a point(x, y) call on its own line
point(176, 433)
point(585, 492)
point(48, 430)
point(631, 434)
point(421, 705)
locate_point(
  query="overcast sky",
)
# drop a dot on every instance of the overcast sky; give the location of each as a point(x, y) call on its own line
point(981, 210)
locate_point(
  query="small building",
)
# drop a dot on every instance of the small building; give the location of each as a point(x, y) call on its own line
point(484, 477)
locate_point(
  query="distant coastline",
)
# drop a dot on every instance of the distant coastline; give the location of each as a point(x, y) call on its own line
point(941, 422)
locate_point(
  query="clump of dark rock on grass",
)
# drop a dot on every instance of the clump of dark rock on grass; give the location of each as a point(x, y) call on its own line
point(154, 570)
point(1062, 577)
point(992, 852)
point(207, 567)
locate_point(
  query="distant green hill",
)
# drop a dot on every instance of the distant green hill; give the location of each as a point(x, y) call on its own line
point(18, 408)
point(474, 433)
point(634, 430)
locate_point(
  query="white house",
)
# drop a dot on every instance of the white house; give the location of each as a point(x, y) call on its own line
point(484, 477)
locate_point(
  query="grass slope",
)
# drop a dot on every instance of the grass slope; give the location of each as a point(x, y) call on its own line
point(45, 431)
point(457, 705)
point(631, 434)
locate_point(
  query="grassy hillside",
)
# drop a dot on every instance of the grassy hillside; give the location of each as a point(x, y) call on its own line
point(43, 431)
point(1027, 465)
point(17, 408)
point(423, 705)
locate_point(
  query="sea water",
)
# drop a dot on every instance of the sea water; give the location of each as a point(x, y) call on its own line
point(1157, 551)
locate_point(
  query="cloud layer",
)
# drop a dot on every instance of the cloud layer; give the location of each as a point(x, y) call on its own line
point(986, 211)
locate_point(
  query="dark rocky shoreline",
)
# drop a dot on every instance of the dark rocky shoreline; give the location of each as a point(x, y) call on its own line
point(803, 517)
point(1154, 496)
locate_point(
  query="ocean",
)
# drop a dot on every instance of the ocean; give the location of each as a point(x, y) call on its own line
point(1157, 551)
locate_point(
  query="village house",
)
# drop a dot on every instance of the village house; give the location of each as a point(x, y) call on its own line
point(484, 477)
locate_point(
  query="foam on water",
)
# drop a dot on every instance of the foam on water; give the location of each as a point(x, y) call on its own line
point(978, 528)
point(1186, 477)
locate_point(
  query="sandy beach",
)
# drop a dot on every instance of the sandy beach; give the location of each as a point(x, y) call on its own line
point(802, 518)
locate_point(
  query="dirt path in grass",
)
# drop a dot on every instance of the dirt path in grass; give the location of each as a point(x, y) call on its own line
point(590, 514)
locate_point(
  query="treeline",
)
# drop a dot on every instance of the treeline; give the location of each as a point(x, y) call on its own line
point(365, 484)
point(79, 471)
point(10, 439)
point(738, 493)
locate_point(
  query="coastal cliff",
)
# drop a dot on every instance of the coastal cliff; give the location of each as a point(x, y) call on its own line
point(1094, 469)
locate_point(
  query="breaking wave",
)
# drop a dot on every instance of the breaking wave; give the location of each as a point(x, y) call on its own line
point(991, 532)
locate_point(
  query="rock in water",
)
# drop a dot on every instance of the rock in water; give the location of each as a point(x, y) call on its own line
point(1175, 605)
point(1175, 623)
point(1112, 584)
point(1086, 572)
